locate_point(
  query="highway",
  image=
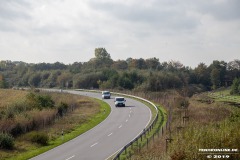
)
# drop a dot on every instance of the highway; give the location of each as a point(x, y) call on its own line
point(100, 143)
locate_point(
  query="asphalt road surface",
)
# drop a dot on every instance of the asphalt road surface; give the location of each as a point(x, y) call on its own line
point(122, 125)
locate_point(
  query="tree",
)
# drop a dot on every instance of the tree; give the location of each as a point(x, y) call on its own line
point(101, 53)
point(218, 68)
point(102, 59)
point(153, 63)
point(235, 88)
point(120, 64)
point(215, 78)
point(202, 74)
point(3, 83)
point(65, 79)
point(35, 80)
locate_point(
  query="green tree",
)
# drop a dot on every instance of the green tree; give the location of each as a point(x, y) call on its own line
point(215, 78)
point(120, 65)
point(101, 53)
point(202, 74)
point(218, 68)
point(153, 63)
point(3, 83)
point(235, 88)
point(102, 59)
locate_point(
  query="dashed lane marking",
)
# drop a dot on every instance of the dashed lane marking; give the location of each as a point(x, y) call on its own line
point(94, 145)
point(70, 157)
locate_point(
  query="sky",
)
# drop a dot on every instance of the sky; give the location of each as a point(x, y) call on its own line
point(68, 31)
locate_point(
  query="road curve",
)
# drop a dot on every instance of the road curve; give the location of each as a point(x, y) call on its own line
point(122, 125)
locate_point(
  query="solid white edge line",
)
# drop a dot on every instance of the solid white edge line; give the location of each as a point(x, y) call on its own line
point(70, 157)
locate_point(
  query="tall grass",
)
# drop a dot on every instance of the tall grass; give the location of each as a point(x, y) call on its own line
point(32, 112)
point(210, 125)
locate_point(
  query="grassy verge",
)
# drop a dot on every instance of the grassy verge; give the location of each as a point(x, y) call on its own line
point(210, 125)
point(89, 124)
point(224, 96)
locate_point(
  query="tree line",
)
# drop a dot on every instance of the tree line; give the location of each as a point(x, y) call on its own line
point(103, 72)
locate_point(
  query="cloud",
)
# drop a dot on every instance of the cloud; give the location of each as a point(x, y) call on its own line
point(168, 17)
point(223, 10)
point(70, 30)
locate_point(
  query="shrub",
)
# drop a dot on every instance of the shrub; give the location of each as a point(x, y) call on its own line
point(17, 130)
point(40, 101)
point(45, 101)
point(6, 141)
point(38, 137)
point(62, 109)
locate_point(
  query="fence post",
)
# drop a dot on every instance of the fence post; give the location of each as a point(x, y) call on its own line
point(147, 143)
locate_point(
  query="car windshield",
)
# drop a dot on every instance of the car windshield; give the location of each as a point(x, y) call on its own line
point(119, 99)
point(106, 92)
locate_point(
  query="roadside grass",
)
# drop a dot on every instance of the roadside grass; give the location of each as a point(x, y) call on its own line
point(210, 125)
point(7, 96)
point(86, 113)
point(224, 96)
point(78, 130)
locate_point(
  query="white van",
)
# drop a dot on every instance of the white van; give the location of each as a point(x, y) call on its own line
point(106, 95)
point(119, 101)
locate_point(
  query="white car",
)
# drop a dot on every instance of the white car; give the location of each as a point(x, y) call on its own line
point(119, 101)
point(106, 95)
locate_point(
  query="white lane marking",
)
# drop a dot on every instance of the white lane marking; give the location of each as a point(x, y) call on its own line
point(94, 144)
point(70, 157)
point(129, 115)
point(110, 134)
point(130, 108)
point(120, 126)
point(126, 120)
point(130, 111)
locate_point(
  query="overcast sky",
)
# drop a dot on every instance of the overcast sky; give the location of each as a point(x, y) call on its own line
point(189, 31)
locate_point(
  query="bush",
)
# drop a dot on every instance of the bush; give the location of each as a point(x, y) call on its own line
point(62, 109)
point(45, 101)
point(6, 141)
point(38, 137)
point(17, 130)
point(40, 101)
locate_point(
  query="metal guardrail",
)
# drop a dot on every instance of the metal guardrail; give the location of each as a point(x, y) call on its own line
point(143, 133)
